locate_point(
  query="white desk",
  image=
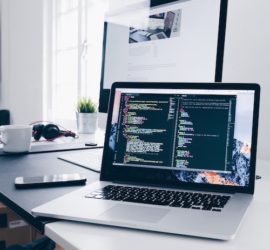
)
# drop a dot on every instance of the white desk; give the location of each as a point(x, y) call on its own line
point(254, 232)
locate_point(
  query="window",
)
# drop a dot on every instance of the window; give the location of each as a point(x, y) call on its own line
point(74, 63)
point(74, 51)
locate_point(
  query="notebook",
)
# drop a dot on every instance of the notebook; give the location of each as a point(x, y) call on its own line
point(90, 159)
point(178, 158)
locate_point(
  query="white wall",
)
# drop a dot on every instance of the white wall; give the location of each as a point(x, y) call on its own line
point(247, 56)
point(22, 62)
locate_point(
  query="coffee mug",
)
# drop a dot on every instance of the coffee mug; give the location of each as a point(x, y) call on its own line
point(16, 138)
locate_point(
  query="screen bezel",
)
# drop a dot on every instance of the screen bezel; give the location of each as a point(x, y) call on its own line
point(120, 174)
point(104, 94)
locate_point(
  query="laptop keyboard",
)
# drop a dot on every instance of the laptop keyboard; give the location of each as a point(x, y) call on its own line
point(182, 199)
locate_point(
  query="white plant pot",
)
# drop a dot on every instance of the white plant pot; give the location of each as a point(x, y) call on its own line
point(87, 123)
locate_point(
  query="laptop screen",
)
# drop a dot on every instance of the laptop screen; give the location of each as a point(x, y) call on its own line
point(187, 135)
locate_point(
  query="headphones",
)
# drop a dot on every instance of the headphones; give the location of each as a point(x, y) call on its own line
point(50, 132)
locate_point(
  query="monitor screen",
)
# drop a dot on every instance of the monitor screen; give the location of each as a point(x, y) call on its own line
point(179, 41)
point(189, 135)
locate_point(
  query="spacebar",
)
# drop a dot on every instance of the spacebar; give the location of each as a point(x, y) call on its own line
point(151, 202)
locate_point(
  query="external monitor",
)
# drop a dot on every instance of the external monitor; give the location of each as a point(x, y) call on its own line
point(177, 41)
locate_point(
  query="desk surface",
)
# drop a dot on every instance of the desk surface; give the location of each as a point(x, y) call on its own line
point(22, 201)
point(253, 233)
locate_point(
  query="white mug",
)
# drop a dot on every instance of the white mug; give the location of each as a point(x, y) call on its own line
point(16, 138)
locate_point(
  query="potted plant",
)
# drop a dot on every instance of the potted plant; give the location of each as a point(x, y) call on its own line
point(86, 116)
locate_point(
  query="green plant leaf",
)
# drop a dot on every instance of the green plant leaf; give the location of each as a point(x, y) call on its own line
point(85, 105)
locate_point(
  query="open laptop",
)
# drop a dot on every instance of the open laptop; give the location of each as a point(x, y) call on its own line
point(178, 158)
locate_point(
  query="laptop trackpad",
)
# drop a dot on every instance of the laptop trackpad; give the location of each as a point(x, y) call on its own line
point(134, 213)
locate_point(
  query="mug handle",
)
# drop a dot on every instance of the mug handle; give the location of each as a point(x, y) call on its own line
point(2, 141)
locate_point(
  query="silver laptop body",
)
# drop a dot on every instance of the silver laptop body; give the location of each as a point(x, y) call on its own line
point(171, 140)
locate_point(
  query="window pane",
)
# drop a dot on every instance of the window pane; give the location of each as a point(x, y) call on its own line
point(67, 67)
point(64, 6)
point(66, 87)
point(67, 30)
point(77, 36)
point(65, 102)
point(95, 23)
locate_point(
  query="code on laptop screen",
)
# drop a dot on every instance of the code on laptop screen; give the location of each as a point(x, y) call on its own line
point(200, 135)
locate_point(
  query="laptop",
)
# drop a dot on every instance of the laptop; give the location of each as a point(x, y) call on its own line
point(178, 158)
